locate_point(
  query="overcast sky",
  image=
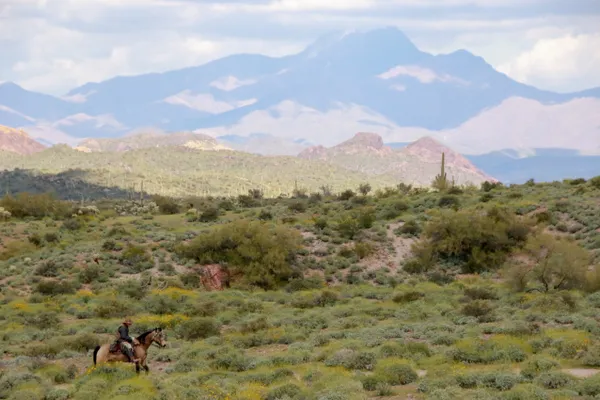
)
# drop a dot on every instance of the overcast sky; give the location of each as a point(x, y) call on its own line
point(54, 45)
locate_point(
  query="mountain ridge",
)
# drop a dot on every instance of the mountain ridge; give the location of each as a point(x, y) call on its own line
point(343, 82)
point(18, 141)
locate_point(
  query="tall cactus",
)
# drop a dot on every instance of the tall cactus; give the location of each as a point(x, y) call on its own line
point(441, 181)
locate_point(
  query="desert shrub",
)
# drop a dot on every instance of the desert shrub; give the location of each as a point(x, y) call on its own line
point(591, 357)
point(348, 227)
point(265, 215)
point(166, 205)
point(407, 350)
point(346, 195)
point(286, 391)
point(479, 309)
point(595, 182)
point(480, 293)
point(409, 228)
point(48, 268)
point(449, 201)
point(52, 288)
point(112, 308)
point(190, 280)
point(133, 289)
point(484, 198)
point(407, 297)
point(35, 205)
point(320, 223)
point(51, 237)
point(111, 245)
point(261, 254)
point(558, 264)
point(209, 215)
point(90, 273)
point(553, 379)
point(489, 186)
point(590, 386)
point(326, 298)
point(363, 249)
point(198, 328)
point(396, 373)
point(487, 352)
point(298, 284)
point(352, 360)
point(393, 210)
point(161, 305)
point(44, 320)
point(474, 241)
point(298, 206)
point(35, 239)
point(136, 257)
point(72, 224)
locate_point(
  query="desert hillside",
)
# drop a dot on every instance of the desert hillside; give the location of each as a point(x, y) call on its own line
point(18, 141)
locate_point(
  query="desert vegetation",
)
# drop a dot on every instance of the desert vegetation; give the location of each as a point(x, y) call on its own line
point(487, 292)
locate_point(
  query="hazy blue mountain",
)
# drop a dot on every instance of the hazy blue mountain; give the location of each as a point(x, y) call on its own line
point(546, 165)
point(376, 79)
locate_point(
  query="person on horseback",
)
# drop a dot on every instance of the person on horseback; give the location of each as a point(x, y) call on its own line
point(126, 341)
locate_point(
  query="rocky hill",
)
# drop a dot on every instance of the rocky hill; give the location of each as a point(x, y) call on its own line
point(417, 163)
point(151, 139)
point(18, 141)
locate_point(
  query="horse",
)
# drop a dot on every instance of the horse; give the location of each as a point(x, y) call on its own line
point(156, 336)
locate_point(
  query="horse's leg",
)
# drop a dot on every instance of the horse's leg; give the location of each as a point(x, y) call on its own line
point(144, 364)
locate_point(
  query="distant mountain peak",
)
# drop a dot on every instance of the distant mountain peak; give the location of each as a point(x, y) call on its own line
point(364, 139)
point(430, 150)
point(18, 141)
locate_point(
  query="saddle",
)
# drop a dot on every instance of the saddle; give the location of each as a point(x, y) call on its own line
point(115, 347)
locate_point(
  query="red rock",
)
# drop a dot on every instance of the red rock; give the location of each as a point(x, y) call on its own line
point(18, 141)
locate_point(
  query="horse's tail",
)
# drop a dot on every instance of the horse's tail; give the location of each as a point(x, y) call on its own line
point(96, 353)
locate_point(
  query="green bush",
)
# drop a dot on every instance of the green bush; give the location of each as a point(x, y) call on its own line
point(286, 391)
point(553, 379)
point(474, 241)
point(52, 288)
point(198, 328)
point(396, 374)
point(209, 215)
point(36, 206)
point(261, 255)
point(166, 205)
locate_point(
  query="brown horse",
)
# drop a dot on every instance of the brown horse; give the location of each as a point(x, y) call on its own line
point(102, 353)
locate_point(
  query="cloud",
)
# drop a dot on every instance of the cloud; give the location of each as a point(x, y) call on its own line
point(566, 63)
point(55, 45)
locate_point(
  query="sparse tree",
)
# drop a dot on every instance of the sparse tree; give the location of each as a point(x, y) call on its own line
point(554, 263)
point(364, 188)
point(327, 190)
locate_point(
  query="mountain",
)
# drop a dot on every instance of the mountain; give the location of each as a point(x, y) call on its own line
point(181, 171)
point(376, 80)
point(417, 164)
point(264, 144)
point(18, 141)
point(542, 165)
point(151, 139)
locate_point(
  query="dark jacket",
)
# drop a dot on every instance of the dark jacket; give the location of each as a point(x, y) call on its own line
point(124, 334)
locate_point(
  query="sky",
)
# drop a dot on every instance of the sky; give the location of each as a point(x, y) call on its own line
point(52, 46)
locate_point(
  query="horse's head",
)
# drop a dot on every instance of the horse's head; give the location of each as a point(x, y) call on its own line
point(159, 337)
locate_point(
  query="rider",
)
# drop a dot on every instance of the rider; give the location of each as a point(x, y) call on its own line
point(126, 341)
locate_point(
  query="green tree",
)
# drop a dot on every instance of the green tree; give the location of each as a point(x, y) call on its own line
point(258, 253)
point(553, 263)
point(364, 188)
